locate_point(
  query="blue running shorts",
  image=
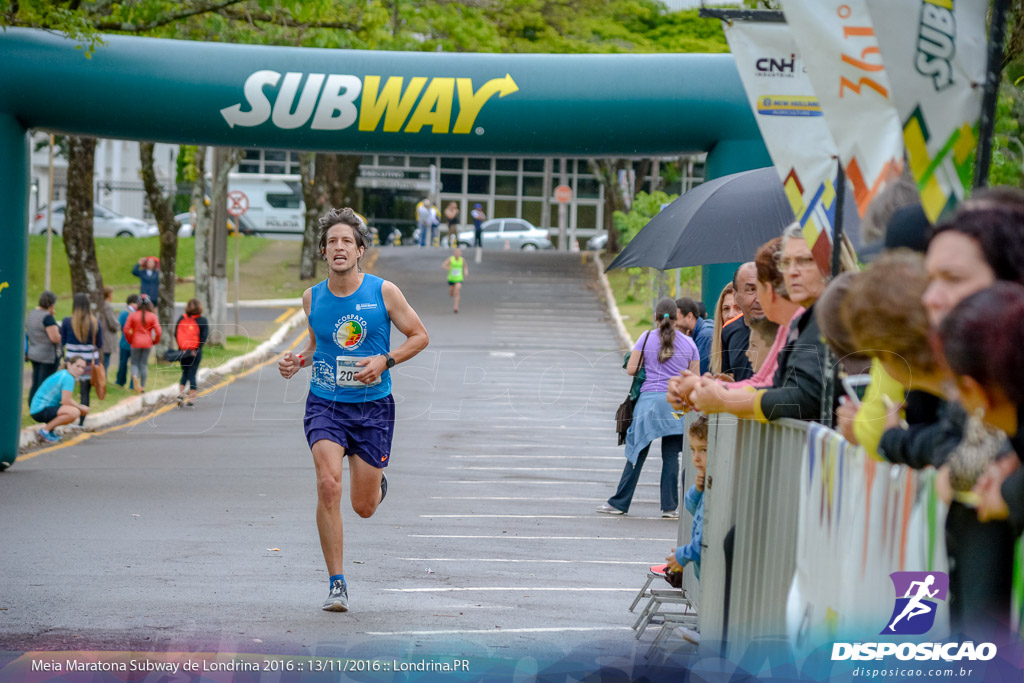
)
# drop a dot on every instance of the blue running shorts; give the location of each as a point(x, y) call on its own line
point(363, 429)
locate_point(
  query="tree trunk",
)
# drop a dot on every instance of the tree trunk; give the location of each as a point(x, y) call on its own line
point(607, 173)
point(312, 199)
point(163, 210)
point(201, 233)
point(330, 183)
point(78, 215)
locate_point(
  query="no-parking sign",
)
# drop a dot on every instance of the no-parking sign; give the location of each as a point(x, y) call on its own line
point(238, 203)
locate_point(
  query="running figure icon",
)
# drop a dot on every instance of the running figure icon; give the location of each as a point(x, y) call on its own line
point(915, 606)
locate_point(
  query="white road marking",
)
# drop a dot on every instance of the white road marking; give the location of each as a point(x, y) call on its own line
point(506, 589)
point(539, 457)
point(498, 631)
point(593, 516)
point(504, 560)
point(550, 538)
point(528, 469)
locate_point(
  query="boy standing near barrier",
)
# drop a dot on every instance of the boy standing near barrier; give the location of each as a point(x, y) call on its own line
point(694, 500)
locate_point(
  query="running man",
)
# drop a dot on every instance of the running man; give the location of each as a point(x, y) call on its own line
point(349, 410)
point(915, 606)
point(457, 272)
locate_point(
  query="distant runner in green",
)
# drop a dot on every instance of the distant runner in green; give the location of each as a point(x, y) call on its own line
point(457, 272)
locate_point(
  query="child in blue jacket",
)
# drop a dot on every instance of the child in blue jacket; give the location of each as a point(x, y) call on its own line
point(694, 500)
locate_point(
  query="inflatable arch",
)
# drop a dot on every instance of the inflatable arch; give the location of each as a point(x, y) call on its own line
point(350, 101)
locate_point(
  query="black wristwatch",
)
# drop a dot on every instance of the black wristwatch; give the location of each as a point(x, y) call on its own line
point(389, 360)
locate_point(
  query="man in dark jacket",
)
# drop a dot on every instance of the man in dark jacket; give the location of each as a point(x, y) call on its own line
point(736, 336)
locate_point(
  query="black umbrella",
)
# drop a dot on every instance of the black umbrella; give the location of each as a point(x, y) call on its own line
point(723, 220)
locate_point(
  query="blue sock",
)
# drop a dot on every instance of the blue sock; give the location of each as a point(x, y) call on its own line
point(336, 577)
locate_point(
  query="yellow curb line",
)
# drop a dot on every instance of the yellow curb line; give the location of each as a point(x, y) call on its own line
point(160, 411)
point(284, 316)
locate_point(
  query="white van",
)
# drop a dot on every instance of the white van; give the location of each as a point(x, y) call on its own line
point(276, 208)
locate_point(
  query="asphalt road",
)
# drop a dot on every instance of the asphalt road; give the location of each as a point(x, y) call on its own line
point(195, 530)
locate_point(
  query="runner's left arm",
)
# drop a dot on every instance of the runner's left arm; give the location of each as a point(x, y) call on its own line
point(408, 323)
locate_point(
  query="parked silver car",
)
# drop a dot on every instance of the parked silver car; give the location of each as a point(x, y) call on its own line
point(187, 226)
point(516, 232)
point(105, 223)
point(597, 242)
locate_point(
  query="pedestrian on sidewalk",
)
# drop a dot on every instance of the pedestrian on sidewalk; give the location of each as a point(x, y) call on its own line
point(111, 328)
point(143, 332)
point(190, 332)
point(451, 217)
point(478, 216)
point(124, 349)
point(349, 409)
point(81, 335)
point(43, 338)
point(54, 403)
point(665, 352)
point(457, 272)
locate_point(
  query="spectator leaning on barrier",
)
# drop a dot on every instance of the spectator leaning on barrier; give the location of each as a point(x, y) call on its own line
point(885, 313)
point(43, 339)
point(124, 349)
point(726, 311)
point(797, 384)
point(689, 321)
point(665, 351)
point(778, 309)
point(735, 335)
point(983, 342)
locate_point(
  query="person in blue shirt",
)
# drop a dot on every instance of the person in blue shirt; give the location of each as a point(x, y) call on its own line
point(148, 272)
point(694, 500)
point(350, 410)
point(699, 328)
point(54, 403)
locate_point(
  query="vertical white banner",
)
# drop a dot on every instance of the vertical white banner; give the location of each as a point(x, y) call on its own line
point(791, 123)
point(936, 58)
point(845, 66)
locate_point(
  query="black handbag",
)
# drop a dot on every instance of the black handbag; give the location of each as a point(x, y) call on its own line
point(624, 413)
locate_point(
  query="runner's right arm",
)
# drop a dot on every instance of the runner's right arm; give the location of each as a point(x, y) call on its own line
point(290, 363)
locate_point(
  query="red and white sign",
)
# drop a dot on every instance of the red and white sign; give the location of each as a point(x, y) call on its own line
point(563, 194)
point(238, 203)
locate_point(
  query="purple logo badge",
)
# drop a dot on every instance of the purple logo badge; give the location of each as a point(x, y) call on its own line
point(916, 596)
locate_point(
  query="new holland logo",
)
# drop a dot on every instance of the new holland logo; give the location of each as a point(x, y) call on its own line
point(328, 102)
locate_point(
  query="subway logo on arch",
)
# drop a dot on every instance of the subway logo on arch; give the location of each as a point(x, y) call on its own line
point(328, 102)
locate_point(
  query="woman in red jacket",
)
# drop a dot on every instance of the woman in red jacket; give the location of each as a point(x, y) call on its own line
point(142, 330)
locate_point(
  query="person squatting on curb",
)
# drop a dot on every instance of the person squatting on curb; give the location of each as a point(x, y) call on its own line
point(349, 409)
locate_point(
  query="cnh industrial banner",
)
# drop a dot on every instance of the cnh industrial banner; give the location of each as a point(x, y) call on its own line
point(791, 122)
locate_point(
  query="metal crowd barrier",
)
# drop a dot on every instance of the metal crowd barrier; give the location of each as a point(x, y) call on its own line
point(818, 527)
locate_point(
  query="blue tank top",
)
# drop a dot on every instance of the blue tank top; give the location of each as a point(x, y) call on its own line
point(348, 328)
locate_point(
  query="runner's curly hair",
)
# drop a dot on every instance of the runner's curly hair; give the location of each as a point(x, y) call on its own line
point(344, 216)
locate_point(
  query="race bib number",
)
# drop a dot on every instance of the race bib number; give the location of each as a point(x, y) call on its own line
point(346, 371)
